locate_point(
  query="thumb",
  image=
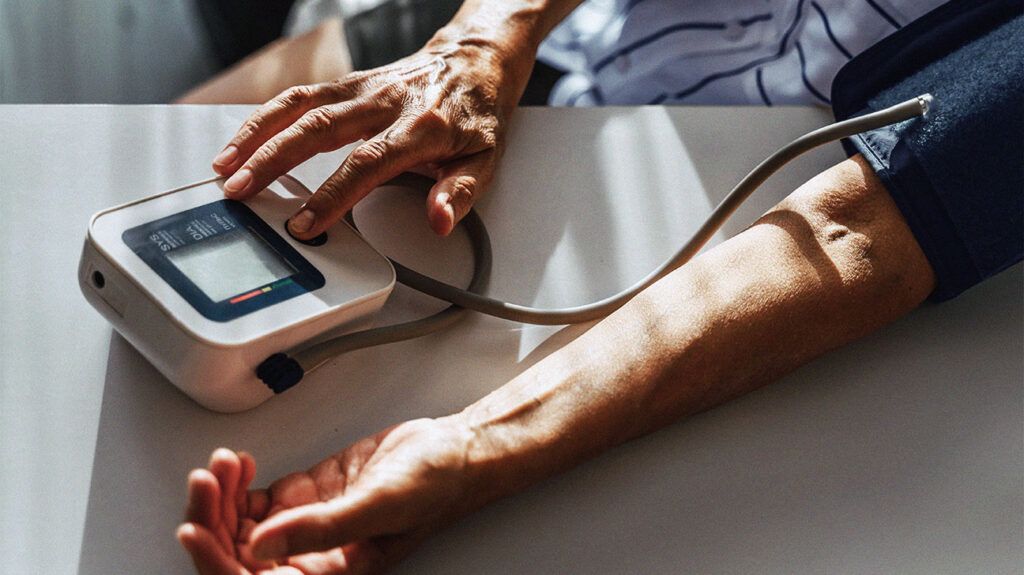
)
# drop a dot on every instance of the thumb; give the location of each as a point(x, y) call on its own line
point(319, 527)
point(459, 186)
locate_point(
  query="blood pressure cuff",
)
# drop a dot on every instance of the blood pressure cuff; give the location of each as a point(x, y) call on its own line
point(958, 175)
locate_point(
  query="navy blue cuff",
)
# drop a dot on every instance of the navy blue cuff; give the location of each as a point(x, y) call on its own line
point(958, 176)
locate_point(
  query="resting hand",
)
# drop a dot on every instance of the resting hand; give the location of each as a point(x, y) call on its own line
point(359, 511)
point(443, 110)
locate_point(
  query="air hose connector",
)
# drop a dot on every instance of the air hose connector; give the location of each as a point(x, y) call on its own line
point(280, 372)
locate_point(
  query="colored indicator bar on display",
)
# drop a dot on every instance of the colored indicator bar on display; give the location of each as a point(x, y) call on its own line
point(260, 291)
point(249, 295)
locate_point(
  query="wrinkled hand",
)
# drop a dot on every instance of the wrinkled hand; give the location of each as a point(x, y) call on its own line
point(443, 110)
point(359, 511)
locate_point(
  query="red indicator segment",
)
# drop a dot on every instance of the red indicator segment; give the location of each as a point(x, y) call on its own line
point(262, 290)
point(249, 295)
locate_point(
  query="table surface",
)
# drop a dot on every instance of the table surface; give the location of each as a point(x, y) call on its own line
point(899, 453)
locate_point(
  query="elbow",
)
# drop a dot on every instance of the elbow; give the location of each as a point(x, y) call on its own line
point(863, 235)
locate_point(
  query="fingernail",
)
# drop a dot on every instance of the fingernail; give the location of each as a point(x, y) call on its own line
point(239, 181)
point(302, 222)
point(226, 157)
point(449, 211)
point(185, 530)
point(271, 548)
point(442, 222)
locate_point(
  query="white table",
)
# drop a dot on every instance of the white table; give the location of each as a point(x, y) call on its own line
point(900, 453)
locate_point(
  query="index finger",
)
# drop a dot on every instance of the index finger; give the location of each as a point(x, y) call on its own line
point(203, 499)
point(322, 129)
point(276, 115)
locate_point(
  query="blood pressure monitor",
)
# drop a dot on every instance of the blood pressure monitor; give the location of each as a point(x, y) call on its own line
point(206, 288)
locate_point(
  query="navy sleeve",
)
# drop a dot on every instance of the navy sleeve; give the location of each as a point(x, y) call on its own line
point(958, 175)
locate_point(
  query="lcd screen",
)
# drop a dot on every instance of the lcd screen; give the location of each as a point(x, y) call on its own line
point(228, 264)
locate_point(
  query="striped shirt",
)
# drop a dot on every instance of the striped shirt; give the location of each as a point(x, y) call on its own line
point(714, 52)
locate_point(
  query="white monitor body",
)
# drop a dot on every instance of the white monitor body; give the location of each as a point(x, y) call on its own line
point(207, 334)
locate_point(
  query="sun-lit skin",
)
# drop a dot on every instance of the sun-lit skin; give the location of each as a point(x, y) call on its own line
point(443, 110)
point(368, 484)
point(831, 263)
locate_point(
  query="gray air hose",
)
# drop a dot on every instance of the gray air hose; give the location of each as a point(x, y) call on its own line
point(281, 372)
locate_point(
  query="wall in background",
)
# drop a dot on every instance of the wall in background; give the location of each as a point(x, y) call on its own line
point(100, 51)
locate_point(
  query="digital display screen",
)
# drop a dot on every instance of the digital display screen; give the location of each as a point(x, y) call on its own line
point(228, 264)
point(223, 259)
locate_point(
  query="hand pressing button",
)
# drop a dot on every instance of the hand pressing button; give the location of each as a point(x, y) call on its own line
point(314, 241)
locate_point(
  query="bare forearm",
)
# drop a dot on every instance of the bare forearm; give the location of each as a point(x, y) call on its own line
point(511, 29)
point(831, 263)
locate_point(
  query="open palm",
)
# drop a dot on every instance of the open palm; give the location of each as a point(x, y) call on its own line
point(359, 511)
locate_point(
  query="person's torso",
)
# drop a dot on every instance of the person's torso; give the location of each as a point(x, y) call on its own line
point(710, 52)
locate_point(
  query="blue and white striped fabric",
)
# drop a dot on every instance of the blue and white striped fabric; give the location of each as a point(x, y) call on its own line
point(712, 52)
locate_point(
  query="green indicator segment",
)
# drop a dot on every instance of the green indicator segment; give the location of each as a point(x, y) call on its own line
point(278, 284)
